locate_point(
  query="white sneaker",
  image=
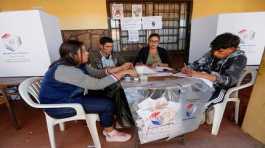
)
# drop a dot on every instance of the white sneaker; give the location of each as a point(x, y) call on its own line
point(116, 136)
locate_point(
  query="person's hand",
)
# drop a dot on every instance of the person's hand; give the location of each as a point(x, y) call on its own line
point(131, 73)
point(204, 75)
point(126, 66)
point(155, 65)
point(186, 70)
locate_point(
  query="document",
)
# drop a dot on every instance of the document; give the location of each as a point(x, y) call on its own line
point(131, 23)
point(133, 35)
point(152, 22)
point(206, 81)
point(144, 70)
point(137, 10)
point(117, 11)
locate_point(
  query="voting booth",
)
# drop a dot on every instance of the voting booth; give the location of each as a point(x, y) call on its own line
point(248, 26)
point(29, 42)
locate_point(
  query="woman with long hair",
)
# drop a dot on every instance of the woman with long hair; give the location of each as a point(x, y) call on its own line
point(67, 80)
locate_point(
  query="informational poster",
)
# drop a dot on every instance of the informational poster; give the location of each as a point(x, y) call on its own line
point(117, 11)
point(152, 22)
point(248, 42)
point(136, 10)
point(133, 35)
point(131, 23)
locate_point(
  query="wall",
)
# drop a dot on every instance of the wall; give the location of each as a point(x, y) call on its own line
point(254, 122)
point(91, 14)
point(73, 14)
point(211, 7)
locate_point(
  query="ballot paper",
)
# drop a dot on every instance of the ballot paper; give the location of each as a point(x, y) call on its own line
point(206, 81)
point(144, 70)
point(162, 69)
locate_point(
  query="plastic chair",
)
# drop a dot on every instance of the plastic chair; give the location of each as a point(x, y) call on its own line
point(231, 96)
point(31, 86)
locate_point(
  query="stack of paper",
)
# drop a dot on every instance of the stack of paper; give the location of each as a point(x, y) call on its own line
point(144, 70)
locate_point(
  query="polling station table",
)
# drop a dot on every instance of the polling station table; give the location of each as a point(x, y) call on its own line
point(166, 106)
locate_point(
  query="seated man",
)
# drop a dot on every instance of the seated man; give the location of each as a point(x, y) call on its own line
point(222, 65)
point(105, 58)
point(153, 55)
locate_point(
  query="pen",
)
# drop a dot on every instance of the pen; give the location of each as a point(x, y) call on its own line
point(185, 65)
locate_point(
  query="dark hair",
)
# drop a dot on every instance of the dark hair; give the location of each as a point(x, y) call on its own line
point(67, 51)
point(104, 40)
point(225, 40)
point(154, 34)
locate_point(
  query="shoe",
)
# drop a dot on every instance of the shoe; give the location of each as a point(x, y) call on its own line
point(116, 136)
point(210, 116)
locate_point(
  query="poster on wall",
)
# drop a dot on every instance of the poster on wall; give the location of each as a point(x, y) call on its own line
point(117, 11)
point(133, 35)
point(248, 41)
point(131, 23)
point(136, 10)
point(152, 22)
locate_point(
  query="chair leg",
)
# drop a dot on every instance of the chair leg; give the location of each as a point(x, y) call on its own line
point(237, 103)
point(218, 115)
point(91, 124)
point(50, 128)
point(10, 110)
point(61, 126)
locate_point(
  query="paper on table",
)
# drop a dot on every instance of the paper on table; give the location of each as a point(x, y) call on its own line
point(208, 82)
point(161, 74)
point(179, 74)
point(142, 69)
point(161, 69)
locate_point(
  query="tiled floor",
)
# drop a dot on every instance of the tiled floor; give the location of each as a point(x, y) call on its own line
point(33, 134)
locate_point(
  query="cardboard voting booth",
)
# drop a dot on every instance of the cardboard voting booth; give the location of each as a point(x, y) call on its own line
point(29, 42)
point(248, 26)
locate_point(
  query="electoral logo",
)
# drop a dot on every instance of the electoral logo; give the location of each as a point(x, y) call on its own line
point(11, 42)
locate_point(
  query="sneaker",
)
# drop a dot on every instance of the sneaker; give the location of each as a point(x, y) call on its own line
point(116, 136)
point(210, 116)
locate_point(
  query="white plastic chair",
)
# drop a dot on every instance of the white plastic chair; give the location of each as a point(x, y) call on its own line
point(30, 87)
point(231, 95)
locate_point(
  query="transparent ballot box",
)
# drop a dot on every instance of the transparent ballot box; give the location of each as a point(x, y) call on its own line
point(166, 108)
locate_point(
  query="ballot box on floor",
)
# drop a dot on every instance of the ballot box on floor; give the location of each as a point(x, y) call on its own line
point(168, 108)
